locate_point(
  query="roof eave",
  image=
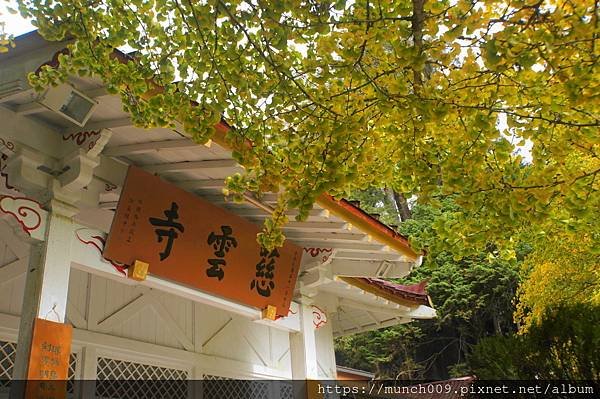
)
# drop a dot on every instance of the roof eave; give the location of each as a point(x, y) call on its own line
point(369, 225)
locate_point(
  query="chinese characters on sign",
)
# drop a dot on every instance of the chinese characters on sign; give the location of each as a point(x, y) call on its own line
point(190, 241)
point(170, 233)
point(49, 360)
point(131, 216)
point(221, 243)
point(265, 272)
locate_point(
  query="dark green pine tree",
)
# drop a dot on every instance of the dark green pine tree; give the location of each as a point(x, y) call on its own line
point(473, 298)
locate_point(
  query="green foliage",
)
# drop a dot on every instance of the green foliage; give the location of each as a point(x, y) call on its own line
point(562, 345)
point(559, 279)
point(496, 358)
point(6, 40)
point(340, 96)
point(377, 350)
point(561, 270)
point(378, 201)
point(473, 298)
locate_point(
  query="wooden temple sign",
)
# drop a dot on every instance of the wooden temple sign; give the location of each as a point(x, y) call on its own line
point(49, 360)
point(190, 241)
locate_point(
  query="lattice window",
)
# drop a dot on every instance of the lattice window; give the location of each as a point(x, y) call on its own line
point(215, 387)
point(71, 383)
point(286, 391)
point(8, 351)
point(118, 379)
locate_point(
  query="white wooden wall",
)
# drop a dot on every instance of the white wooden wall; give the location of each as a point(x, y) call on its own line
point(14, 254)
point(139, 324)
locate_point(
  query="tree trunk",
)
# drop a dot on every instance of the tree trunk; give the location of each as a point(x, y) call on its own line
point(389, 194)
point(497, 327)
point(418, 18)
point(402, 205)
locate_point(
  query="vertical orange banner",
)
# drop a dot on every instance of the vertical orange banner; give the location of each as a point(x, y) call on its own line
point(49, 360)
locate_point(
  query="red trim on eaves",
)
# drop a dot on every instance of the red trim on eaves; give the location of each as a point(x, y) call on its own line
point(415, 293)
point(376, 224)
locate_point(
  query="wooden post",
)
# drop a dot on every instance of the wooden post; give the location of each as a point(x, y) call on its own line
point(46, 286)
point(303, 351)
point(89, 363)
point(324, 337)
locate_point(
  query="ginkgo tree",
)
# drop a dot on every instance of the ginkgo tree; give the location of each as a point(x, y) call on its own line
point(428, 98)
point(561, 271)
point(5, 38)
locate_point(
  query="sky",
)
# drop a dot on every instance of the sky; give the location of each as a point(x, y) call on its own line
point(15, 24)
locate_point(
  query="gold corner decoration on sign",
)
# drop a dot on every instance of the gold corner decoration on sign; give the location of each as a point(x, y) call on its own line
point(270, 312)
point(138, 271)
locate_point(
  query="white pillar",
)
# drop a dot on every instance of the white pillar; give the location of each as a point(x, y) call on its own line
point(89, 366)
point(303, 347)
point(47, 282)
point(324, 336)
point(196, 385)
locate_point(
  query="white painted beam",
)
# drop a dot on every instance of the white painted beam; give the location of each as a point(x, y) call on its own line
point(191, 185)
point(325, 236)
point(313, 279)
point(269, 197)
point(290, 323)
point(352, 246)
point(29, 108)
point(369, 268)
point(260, 214)
point(13, 88)
point(315, 226)
point(111, 170)
point(349, 254)
point(108, 205)
point(400, 312)
point(191, 165)
point(103, 124)
point(150, 146)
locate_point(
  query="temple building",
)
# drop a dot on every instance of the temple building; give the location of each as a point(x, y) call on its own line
point(120, 258)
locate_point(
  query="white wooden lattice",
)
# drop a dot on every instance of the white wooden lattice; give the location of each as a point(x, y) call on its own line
point(8, 352)
point(122, 379)
point(286, 391)
point(71, 383)
point(215, 387)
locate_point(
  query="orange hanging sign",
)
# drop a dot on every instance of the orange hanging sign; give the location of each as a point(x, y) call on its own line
point(188, 240)
point(49, 360)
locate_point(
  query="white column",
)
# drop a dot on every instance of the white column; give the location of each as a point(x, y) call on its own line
point(324, 337)
point(89, 366)
point(303, 347)
point(196, 384)
point(47, 282)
